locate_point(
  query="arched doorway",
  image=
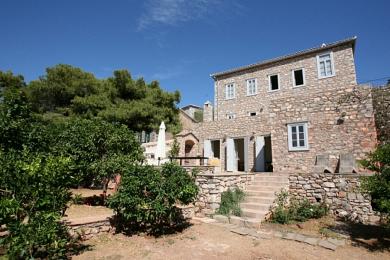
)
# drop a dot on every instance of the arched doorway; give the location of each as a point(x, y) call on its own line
point(188, 151)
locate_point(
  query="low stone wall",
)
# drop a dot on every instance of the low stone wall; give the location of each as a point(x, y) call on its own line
point(339, 191)
point(211, 187)
point(88, 229)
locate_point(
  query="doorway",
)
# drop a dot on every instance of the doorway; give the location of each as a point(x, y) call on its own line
point(263, 154)
point(216, 148)
point(239, 150)
point(237, 154)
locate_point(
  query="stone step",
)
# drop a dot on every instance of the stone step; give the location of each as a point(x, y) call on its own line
point(271, 178)
point(269, 183)
point(253, 213)
point(267, 194)
point(264, 188)
point(254, 199)
point(245, 222)
point(256, 206)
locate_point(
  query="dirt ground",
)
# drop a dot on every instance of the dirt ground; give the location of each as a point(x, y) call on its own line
point(84, 192)
point(208, 241)
point(84, 211)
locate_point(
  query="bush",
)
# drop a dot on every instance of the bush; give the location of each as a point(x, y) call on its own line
point(42, 237)
point(296, 210)
point(147, 195)
point(34, 194)
point(230, 202)
point(378, 185)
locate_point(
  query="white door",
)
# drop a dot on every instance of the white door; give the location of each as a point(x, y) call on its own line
point(246, 150)
point(260, 154)
point(231, 160)
point(207, 150)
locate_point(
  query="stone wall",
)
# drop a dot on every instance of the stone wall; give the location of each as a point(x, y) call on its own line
point(340, 191)
point(211, 187)
point(381, 100)
point(86, 230)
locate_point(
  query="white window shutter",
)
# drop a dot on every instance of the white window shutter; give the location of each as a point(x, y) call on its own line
point(246, 150)
point(231, 160)
point(260, 154)
point(207, 149)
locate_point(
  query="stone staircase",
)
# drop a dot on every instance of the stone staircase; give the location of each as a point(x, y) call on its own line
point(260, 195)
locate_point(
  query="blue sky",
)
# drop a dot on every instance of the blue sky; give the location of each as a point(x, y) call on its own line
point(181, 42)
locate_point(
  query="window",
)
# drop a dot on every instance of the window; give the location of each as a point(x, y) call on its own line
point(230, 115)
point(298, 78)
point(325, 65)
point(251, 87)
point(252, 113)
point(273, 82)
point(230, 91)
point(297, 137)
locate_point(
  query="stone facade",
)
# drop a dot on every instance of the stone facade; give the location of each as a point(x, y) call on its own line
point(336, 124)
point(381, 100)
point(211, 187)
point(339, 191)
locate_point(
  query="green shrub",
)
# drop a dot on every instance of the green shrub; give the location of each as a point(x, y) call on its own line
point(296, 210)
point(42, 237)
point(35, 192)
point(147, 196)
point(378, 185)
point(230, 202)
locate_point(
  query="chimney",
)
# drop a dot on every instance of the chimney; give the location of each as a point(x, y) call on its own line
point(208, 113)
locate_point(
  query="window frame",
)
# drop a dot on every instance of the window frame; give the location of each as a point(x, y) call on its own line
point(330, 53)
point(303, 75)
point(247, 87)
point(270, 85)
point(226, 91)
point(306, 136)
point(231, 115)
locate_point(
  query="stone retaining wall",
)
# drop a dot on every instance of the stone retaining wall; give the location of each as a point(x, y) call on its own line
point(211, 187)
point(86, 230)
point(340, 191)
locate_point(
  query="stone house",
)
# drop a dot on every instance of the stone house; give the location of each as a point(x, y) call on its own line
point(191, 110)
point(280, 114)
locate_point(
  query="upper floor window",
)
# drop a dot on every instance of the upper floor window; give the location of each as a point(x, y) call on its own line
point(230, 91)
point(230, 115)
point(251, 87)
point(297, 137)
point(274, 82)
point(325, 65)
point(298, 77)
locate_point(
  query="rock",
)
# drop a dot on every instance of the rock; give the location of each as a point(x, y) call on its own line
point(311, 240)
point(326, 244)
point(329, 184)
point(240, 231)
point(351, 196)
point(221, 218)
point(337, 242)
point(290, 236)
point(300, 238)
point(360, 197)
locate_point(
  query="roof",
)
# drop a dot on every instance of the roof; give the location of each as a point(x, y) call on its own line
point(322, 47)
point(190, 105)
point(186, 115)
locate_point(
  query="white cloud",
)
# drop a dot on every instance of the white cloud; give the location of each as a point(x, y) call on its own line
point(174, 12)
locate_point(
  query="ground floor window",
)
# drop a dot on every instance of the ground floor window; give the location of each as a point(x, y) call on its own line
point(297, 137)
